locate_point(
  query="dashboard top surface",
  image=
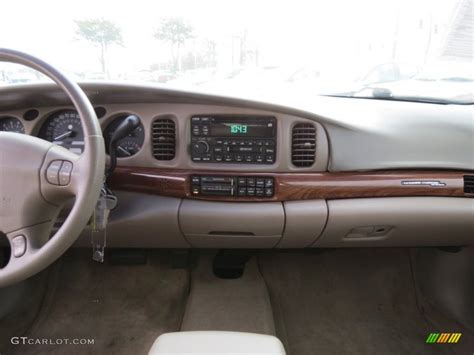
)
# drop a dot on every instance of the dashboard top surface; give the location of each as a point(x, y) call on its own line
point(356, 134)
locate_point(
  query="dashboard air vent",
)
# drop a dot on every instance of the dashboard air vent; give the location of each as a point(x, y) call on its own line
point(164, 139)
point(469, 184)
point(303, 145)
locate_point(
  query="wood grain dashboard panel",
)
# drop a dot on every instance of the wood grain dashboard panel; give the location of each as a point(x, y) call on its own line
point(299, 186)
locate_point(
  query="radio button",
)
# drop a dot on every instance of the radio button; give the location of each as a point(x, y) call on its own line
point(260, 182)
point(242, 191)
point(195, 180)
point(259, 191)
point(239, 158)
point(195, 130)
point(196, 158)
point(195, 119)
point(206, 158)
point(268, 182)
point(270, 158)
point(241, 181)
point(251, 182)
point(200, 147)
point(228, 157)
point(268, 192)
point(218, 158)
point(249, 158)
point(195, 190)
point(259, 158)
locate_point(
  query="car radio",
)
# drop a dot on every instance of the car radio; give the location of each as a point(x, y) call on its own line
point(225, 139)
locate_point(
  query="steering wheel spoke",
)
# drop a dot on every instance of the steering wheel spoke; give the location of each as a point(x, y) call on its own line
point(25, 243)
point(60, 175)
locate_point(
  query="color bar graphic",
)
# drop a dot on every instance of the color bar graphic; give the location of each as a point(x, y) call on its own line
point(443, 338)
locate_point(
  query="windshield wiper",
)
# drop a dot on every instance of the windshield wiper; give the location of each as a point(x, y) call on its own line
point(386, 94)
point(458, 79)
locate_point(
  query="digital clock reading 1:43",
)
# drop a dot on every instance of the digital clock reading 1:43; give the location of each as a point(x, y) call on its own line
point(238, 128)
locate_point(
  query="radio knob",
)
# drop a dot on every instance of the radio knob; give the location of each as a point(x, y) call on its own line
point(200, 147)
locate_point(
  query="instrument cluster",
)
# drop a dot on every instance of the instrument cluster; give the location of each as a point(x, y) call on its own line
point(64, 128)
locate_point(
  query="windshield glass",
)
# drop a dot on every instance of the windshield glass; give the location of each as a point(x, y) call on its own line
point(263, 50)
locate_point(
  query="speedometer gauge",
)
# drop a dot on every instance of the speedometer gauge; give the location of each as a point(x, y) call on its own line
point(129, 145)
point(11, 124)
point(64, 128)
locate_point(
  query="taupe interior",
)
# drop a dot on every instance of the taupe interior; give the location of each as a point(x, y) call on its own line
point(352, 275)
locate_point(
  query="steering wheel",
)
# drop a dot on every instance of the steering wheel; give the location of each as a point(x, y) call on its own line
point(38, 177)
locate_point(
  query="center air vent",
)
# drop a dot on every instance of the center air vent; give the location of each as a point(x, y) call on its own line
point(303, 144)
point(469, 184)
point(164, 139)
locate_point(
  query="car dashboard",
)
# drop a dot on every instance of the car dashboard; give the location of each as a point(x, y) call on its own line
point(213, 172)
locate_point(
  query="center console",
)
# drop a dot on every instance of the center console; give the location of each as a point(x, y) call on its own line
point(232, 139)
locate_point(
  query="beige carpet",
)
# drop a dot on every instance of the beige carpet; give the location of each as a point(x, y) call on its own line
point(123, 308)
point(234, 305)
point(348, 301)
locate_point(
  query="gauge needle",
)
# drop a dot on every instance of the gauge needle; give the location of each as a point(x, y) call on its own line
point(64, 135)
point(124, 150)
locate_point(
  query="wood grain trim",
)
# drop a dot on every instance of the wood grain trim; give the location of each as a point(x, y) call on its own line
point(296, 186)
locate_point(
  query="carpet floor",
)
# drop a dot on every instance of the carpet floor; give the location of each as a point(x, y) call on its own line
point(122, 308)
point(348, 301)
point(228, 304)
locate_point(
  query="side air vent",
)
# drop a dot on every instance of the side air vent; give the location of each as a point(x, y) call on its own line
point(469, 184)
point(164, 139)
point(303, 145)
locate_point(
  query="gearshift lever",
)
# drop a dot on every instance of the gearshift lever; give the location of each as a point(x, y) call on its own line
point(124, 129)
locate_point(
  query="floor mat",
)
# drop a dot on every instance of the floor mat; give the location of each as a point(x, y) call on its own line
point(234, 305)
point(347, 301)
point(122, 308)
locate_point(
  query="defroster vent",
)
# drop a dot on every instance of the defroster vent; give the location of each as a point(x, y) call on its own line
point(303, 144)
point(164, 139)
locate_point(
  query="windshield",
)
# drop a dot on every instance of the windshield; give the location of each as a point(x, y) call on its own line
point(263, 50)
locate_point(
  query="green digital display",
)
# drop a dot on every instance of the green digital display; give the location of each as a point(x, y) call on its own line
point(238, 128)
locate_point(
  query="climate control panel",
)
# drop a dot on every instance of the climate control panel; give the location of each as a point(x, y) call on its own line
point(239, 186)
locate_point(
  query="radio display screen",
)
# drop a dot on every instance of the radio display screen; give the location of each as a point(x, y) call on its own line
point(242, 128)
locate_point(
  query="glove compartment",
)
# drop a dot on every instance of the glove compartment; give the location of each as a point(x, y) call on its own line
point(231, 224)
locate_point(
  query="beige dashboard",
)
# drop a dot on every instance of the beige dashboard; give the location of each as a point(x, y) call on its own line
point(315, 206)
point(181, 114)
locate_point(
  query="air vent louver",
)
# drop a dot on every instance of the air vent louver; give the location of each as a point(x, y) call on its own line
point(469, 184)
point(303, 145)
point(164, 139)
